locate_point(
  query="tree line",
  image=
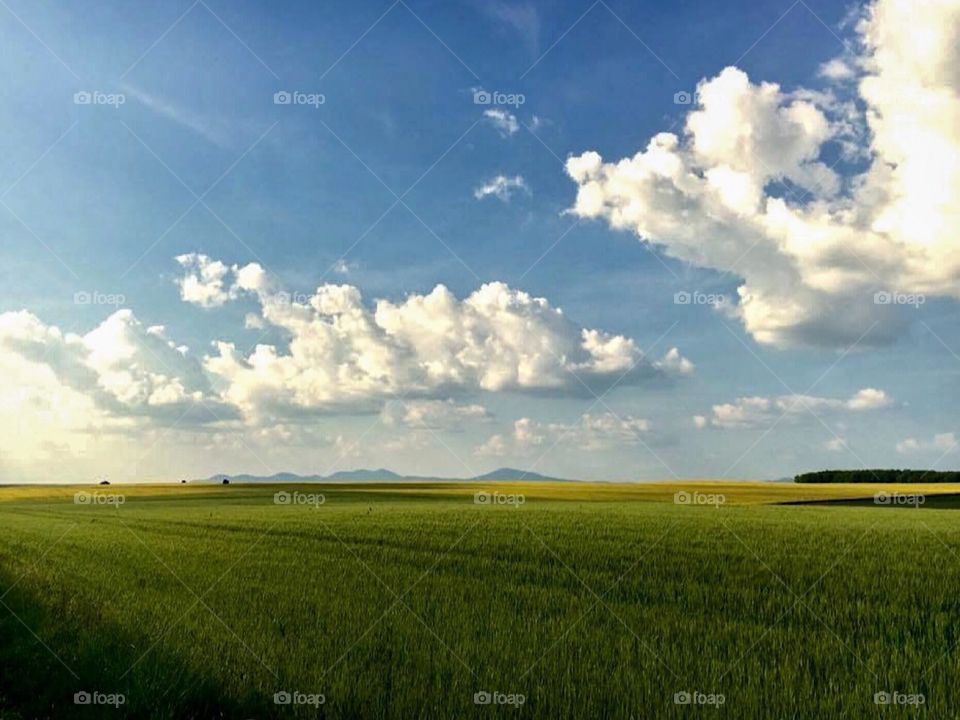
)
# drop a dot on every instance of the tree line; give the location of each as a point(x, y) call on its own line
point(879, 476)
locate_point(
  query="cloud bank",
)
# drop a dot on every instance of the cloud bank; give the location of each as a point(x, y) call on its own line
point(417, 361)
point(344, 355)
point(753, 412)
point(126, 370)
point(941, 442)
point(590, 433)
point(748, 189)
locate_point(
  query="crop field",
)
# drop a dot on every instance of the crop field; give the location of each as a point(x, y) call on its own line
point(468, 601)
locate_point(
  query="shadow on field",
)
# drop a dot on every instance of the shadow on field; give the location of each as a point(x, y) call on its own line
point(36, 630)
point(903, 501)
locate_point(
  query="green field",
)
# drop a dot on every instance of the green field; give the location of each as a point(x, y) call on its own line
point(589, 600)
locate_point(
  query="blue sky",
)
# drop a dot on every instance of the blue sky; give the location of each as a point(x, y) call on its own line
point(198, 160)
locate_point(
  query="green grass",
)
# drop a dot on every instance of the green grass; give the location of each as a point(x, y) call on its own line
point(403, 603)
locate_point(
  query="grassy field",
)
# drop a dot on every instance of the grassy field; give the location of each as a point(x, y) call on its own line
point(588, 600)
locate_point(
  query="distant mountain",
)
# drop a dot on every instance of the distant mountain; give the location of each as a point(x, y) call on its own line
point(512, 474)
point(284, 477)
point(362, 475)
point(288, 477)
point(381, 475)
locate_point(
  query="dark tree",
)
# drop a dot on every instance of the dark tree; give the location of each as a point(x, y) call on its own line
point(879, 476)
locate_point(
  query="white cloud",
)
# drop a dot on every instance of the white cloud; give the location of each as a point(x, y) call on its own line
point(591, 433)
point(758, 411)
point(505, 122)
point(342, 267)
point(66, 393)
point(344, 355)
point(496, 446)
point(676, 363)
point(810, 264)
point(869, 399)
point(203, 284)
point(254, 439)
point(252, 321)
point(433, 414)
point(412, 442)
point(942, 442)
point(75, 406)
point(124, 369)
point(837, 69)
point(42, 418)
point(501, 187)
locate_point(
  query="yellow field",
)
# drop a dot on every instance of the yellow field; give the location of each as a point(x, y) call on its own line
point(734, 492)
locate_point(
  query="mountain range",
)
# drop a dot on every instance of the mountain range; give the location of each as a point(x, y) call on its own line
point(380, 475)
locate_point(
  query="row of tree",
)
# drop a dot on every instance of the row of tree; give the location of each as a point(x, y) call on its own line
point(879, 476)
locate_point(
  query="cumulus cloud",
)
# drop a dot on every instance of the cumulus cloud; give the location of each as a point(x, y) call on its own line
point(591, 433)
point(345, 355)
point(42, 418)
point(869, 399)
point(942, 442)
point(124, 367)
point(746, 189)
point(758, 411)
point(337, 355)
point(70, 403)
point(203, 283)
point(674, 362)
point(501, 187)
point(433, 414)
point(505, 122)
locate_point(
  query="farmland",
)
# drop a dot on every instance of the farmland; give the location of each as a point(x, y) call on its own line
point(428, 600)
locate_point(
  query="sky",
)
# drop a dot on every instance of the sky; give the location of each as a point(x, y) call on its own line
point(617, 241)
